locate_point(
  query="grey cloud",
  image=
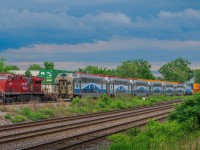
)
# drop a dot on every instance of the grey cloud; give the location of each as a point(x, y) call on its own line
point(25, 19)
point(174, 25)
point(110, 51)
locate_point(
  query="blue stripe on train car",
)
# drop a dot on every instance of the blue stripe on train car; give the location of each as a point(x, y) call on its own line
point(157, 90)
point(121, 89)
point(140, 91)
point(77, 91)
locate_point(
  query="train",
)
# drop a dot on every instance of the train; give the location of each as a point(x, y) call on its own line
point(66, 85)
point(19, 88)
point(81, 84)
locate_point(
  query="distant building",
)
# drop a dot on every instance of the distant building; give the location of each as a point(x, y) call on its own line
point(22, 72)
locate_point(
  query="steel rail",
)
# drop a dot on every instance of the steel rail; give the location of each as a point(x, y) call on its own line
point(75, 117)
point(46, 131)
point(76, 140)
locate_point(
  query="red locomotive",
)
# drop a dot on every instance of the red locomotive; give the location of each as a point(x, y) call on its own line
point(18, 88)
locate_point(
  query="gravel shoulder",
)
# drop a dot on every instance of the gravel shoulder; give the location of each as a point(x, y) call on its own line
point(4, 121)
point(11, 109)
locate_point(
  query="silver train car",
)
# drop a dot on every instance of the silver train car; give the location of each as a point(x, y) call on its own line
point(82, 84)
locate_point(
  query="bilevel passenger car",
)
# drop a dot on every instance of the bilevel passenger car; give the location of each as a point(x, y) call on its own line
point(180, 89)
point(82, 84)
point(169, 88)
point(156, 87)
point(18, 88)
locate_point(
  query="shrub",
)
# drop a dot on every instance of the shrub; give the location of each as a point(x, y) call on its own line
point(118, 104)
point(75, 101)
point(18, 119)
point(106, 99)
point(48, 112)
point(8, 116)
point(183, 125)
point(121, 142)
point(44, 113)
point(190, 108)
point(153, 136)
point(25, 111)
point(35, 116)
point(133, 131)
point(101, 105)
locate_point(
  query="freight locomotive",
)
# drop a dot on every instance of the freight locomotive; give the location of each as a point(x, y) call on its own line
point(17, 88)
point(82, 84)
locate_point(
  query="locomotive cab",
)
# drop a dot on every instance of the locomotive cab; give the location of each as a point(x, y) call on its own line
point(64, 86)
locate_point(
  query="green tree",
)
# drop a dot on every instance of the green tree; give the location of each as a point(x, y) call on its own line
point(130, 68)
point(49, 65)
point(4, 68)
point(127, 69)
point(135, 69)
point(28, 73)
point(97, 70)
point(177, 70)
point(111, 72)
point(13, 67)
point(144, 71)
point(34, 67)
point(90, 69)
point(197, 75)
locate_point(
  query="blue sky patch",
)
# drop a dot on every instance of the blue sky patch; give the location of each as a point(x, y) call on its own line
point(98, 32)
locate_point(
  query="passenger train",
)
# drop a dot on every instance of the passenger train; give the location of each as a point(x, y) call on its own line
point(15, 88)
point(82, 84)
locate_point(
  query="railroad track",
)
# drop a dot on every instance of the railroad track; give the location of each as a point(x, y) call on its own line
point(23, 103)
point(74, 117)
point(78, 140)
point(92, 121)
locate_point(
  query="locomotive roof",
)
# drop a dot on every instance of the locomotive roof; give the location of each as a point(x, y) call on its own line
point(5, 74)
point(17, 75)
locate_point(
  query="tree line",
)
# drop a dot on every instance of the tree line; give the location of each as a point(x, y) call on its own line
point(5, 68)
point(177, 70)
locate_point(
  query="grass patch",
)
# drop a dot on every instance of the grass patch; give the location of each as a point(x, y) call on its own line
point(181, 131)
point(155, 136)
point(8, 116)
point(18, 119)
point(84, 105)
point(104, 103)
point(37, 115)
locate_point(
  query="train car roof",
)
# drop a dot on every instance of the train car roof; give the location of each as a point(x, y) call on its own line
point(124, 79)
point(102, 75)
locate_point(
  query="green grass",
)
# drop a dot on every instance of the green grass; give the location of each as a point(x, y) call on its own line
point(104, 103)
point(18, 119)
point(181, 131)
point(8, 116)
point(85, 105)
point(155, 136)
point(37, 115)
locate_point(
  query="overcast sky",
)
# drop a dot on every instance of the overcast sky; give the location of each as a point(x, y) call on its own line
point(76, 33)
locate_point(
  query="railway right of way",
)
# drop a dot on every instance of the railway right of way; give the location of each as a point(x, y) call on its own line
point(37, 135)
